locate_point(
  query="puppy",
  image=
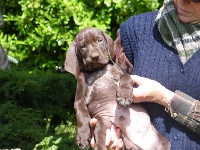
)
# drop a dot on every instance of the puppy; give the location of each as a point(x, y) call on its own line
point(100, 84)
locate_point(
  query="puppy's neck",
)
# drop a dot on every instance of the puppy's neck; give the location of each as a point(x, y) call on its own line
point(92, 76)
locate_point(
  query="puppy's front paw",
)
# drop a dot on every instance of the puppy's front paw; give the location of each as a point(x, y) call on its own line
point(125, 90)
point(83, 138)
point(123, 98)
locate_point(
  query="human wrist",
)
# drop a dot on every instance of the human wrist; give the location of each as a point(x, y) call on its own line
point(167, 96)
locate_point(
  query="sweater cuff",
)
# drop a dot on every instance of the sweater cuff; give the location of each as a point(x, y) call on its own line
point(181, 107)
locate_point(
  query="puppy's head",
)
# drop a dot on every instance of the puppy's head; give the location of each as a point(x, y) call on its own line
point(91, 49)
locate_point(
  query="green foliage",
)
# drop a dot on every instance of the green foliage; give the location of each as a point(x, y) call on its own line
point(19, 126)
point(36, 108)
point(39, 90)
point(62, 138)
point(39, 32)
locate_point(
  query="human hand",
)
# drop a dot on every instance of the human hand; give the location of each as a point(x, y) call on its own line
point(113, 140)
point(150, 91)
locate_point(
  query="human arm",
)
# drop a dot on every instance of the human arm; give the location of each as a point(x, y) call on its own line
point(183, 108)
point(186, 111)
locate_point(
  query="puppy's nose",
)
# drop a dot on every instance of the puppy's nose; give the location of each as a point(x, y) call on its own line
point(94, 55)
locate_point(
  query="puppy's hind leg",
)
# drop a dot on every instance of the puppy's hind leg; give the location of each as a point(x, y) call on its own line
point(100, 133)
point(129, 145)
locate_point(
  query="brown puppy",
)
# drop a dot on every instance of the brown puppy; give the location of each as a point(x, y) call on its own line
point(100, 84)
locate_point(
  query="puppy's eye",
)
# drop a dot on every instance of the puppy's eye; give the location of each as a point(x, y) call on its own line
point(82, 45)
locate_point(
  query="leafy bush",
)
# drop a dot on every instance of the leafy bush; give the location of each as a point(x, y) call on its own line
point(19, 126)
point(39, 32)
point(35, 107)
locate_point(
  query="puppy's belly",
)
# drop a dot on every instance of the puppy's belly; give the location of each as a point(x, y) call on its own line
point(133, 120)
point(135, 124)
point(106, 110)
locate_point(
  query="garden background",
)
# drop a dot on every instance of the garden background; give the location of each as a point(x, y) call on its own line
point(36, 101)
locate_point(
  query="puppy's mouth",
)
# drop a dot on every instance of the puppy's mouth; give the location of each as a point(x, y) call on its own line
point(92, 65)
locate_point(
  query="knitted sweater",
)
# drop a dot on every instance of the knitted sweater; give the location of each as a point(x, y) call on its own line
point(153, 59)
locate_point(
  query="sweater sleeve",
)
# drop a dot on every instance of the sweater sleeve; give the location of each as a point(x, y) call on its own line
point(186, 111)
point(4, 63)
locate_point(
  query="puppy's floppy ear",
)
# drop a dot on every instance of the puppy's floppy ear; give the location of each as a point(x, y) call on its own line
point(111, 46)
point(71, 61)
point(121, 58)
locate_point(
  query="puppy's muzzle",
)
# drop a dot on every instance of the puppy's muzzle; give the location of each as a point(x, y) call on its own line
point(94, 55)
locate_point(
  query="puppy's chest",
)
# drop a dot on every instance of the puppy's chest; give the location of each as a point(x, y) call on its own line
point(102, 86)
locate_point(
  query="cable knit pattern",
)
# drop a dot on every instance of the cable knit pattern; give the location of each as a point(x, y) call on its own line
point(153, 59)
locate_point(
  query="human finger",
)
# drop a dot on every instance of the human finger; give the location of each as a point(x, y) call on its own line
point(92, 141)
point(93, 123)
point(138, 79)
point(114, 144)
point(113, 133)
point(119, 145)
point(108, 137)
point(137, 94)
point(116, 138)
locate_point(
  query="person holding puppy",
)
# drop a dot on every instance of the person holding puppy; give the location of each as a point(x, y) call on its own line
point(164, 47)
